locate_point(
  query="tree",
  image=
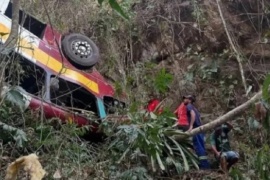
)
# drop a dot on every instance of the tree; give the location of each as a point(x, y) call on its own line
point(10, 43)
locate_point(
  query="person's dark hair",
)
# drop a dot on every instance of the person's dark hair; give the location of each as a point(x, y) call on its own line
point(194, 98)
point(190, 97)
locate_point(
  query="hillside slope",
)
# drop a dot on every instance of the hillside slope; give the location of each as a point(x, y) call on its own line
point(187, 38)
point(198, 43)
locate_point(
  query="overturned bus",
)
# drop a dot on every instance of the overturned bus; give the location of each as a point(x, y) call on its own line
point(54, 78)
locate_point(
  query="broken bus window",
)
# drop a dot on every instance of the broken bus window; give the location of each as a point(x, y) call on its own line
point(29, 22)
point(72, 96)
point(31, 77)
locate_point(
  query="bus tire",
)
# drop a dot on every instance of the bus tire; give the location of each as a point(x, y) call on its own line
point(80, 50)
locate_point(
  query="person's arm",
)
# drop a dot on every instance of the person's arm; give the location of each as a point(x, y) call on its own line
point(175, 112)
point(192, 119)
point(213, 145)
point(177, 109)
point(229, 125)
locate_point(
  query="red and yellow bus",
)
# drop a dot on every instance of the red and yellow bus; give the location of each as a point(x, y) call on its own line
point(55, 79)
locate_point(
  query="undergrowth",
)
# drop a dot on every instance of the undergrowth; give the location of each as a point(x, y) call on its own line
point(140, 149)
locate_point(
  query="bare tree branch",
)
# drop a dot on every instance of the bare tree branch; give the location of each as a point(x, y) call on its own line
point(13, 36)
point(237, 53)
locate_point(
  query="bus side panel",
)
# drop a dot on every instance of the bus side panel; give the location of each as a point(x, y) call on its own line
point(3, 6)
point(51, 111)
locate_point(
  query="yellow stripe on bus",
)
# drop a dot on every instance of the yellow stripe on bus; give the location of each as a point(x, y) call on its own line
point(50, 62)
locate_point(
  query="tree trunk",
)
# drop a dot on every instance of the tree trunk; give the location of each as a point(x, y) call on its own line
point(13, 36)
point(226, 117)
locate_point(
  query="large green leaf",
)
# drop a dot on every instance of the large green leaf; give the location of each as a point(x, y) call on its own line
point(153, 164)
point(191, 156)
point(168, 147)
point(17, 134)
point(114, 5)
point(14, 95)
point(161, 165)
point(178, 167)
point(124, 155)
point(182, 154)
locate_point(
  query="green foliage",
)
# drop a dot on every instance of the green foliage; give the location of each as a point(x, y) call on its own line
point(64, 149)
point(15, 96)
point(150, 78)
point(9, 133)
point(162, 81)
point(198, 13)
point(157, 81)
point(209, 72)
point(262, 163)
point(236, 174)
point(137, 173)
point(57, 144)
point(150, 137)
point(253, 123)
point(118, 88)
point(114, 5)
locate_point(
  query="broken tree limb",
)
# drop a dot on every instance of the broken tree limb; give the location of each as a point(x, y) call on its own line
point(226, 117)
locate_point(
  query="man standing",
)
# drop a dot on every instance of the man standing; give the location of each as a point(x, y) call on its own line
point(198, 140)
point(181, 114)
point(221, 146)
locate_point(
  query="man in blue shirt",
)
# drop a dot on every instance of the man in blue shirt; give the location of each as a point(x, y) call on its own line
point(198, 140)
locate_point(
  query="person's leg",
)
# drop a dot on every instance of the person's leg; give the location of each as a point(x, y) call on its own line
point(232, 158)
point(223, 164)
point(198, 143)
point(184, 129)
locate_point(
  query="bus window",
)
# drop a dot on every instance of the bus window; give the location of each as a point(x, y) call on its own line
point(31, 77)
point(113, 105)
point(72, 96)
point(30, 23)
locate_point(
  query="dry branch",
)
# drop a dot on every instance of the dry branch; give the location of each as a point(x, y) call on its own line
point(237, 54)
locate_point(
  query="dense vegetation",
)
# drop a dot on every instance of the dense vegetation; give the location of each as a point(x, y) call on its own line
point(218, 50)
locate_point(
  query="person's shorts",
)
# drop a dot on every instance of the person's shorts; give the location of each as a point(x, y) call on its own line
point(230, 155)
point(184, 128)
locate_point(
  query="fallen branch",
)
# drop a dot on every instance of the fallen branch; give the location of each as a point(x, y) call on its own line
point(226, 117)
